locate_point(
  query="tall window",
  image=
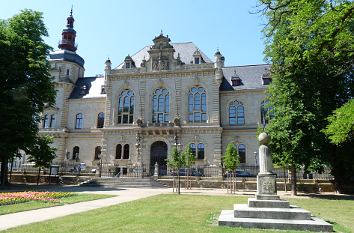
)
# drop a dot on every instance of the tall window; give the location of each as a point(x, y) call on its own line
point(52, 121)
point(76, 152)
point(236, 113)
point(198, 150)
point(97, 152)
point(79, 121)
point(119, 151)
point(45, 121)
point(126, 107)
point(267, 112)
point(242, 153)
point(161, 106)
point(126, 151)
point(197, 105)
point(100, 120)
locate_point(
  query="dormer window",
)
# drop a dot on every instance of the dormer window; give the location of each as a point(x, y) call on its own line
point(197, 57)
point(266, 79)
point(128, 62)
point(83, 90)
point(236, 80)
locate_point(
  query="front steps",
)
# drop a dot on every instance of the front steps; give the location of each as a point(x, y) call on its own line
point(272, 214)
point(123, 182)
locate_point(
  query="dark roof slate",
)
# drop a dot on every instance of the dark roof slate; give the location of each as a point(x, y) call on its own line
point(250, 75)
point(88, 87)
point(185, 50)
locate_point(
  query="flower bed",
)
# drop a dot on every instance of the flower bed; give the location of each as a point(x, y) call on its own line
point(20, 197)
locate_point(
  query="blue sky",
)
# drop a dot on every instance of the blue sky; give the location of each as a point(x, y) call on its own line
point(114, 29)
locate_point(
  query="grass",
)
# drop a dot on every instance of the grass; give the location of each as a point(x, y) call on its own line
point(185, 213)
point(31, 205)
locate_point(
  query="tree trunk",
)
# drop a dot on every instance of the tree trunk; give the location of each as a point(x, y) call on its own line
point(39, 175)
point(4, 170)
point(293, 180)
point(285, 188)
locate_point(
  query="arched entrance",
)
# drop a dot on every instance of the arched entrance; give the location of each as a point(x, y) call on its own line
point(158, 154)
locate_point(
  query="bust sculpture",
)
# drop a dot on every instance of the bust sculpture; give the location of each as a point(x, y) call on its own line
point(265, 158)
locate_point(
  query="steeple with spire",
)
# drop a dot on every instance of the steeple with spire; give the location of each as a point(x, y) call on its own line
point(68, 35)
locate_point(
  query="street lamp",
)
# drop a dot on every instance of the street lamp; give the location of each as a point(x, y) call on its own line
point(138, 148)
point(255, 157)
point(99, 155)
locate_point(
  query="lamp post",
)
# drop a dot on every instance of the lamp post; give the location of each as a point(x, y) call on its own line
point(255, 157)
point(178, 146)
point(100, 172)
point(138, 148)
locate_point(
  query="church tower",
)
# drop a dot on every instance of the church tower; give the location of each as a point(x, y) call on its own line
point(68, 35)
point(66, 67)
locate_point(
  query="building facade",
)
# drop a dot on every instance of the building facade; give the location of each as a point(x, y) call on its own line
point(164, 95)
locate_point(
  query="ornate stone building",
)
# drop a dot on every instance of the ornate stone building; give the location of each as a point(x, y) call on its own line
point(164, 94)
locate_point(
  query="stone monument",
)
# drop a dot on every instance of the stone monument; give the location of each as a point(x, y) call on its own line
point(266, 210)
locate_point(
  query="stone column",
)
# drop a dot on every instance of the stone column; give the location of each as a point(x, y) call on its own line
point(266, 180)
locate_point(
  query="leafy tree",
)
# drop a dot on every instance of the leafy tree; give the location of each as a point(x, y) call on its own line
point(231, 159)
point(310, 44)
point(41, 153)
point(25, 84)
point(341, 124)
point(188, 156)
point(176, 159)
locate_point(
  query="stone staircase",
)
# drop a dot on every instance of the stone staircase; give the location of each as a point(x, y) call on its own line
point(123, 182)
point(272, 214)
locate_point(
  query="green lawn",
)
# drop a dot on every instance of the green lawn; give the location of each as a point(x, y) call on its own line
point(30, 205)
point(185, 213)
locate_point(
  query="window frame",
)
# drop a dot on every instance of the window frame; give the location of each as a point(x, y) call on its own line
point(236, 113)
point(197, 105)
point(79, 121)
point(125, 114)
point(161, 111)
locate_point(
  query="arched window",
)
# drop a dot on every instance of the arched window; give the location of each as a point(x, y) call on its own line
point(200, 152)
point(197, 105)
point(45, 121)
point(97, 152)
point(126, 107)
point(119, 151)
point(242, 153)
point(267, 112)
point(76, 153)
point(126, 151)
point(100, 120)
point(160, 106)
point(236, 113)
point(79, 121)
point(52, 121)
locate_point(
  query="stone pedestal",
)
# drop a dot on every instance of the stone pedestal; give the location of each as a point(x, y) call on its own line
point(266, 185)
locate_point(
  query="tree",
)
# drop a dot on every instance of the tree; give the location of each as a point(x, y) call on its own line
point(25, 84)
point(189, 160)
point(41, 153)
point(176, 161)
point(341, 124)
point(231, 159)
point(310, 44)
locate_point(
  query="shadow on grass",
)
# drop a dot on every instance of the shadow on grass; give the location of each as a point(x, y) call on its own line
point(332, 196)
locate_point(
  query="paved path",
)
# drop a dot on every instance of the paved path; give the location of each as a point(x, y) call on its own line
point(32, 216)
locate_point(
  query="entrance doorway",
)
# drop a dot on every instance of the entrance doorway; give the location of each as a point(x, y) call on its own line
point(158, 154)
